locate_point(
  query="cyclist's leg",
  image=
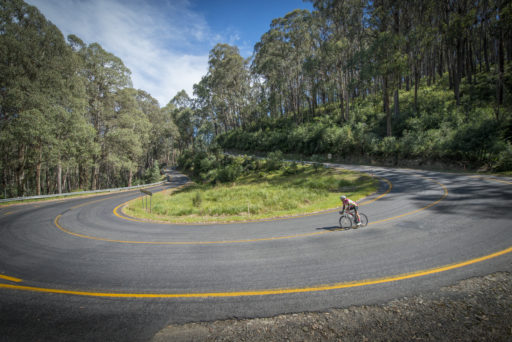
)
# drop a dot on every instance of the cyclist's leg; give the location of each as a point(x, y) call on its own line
point(356, 210)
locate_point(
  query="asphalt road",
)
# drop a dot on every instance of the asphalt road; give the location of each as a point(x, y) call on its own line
point(80, 270)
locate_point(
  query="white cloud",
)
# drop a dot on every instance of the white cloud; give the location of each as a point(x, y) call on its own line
point(165, 46)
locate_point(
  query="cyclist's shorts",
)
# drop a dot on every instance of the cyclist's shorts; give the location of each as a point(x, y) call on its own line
point(353, 207)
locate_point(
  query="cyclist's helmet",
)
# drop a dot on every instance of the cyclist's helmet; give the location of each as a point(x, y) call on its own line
point(343, 197)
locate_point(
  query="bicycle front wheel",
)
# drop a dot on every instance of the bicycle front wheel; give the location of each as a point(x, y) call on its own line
point(345, 221)
point(364, 220)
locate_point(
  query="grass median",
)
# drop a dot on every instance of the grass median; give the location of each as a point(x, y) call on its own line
point(257, 195)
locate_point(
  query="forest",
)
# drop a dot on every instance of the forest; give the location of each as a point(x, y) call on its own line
point(363, 80)
point(374, 81)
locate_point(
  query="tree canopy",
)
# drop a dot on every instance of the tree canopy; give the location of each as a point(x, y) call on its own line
point(69, 118)
point(363, 80)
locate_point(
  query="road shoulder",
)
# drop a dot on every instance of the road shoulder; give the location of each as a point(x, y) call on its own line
point(474, 309)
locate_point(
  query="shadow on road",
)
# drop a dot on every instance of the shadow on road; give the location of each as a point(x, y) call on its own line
point(333, 228)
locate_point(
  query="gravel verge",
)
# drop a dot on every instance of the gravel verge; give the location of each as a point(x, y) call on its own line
point(476, 309)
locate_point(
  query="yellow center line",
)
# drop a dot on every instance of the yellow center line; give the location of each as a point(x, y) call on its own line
point(317, 288)
point(278, 291)
point(445, 194)
point(390, 186)
point(492, 179)
point(181, 242)
point(16, 280)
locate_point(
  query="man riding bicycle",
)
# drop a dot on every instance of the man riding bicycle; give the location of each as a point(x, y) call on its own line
point(350, 205)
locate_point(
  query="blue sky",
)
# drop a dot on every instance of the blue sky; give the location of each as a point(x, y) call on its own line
point(165, 43)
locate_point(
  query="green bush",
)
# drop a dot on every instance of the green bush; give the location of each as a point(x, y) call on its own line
point(229, 173)
point(504, 161)
point(291, 169)
point(197, 199)
point(274, 161)
point(153, 173)
point(433, 128)
point(477, 143)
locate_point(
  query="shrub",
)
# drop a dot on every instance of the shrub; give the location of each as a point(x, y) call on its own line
point(197, 199)
point(229, 173)
point(504, 162)
point(292, 169)
point(476, 143)
point(274, 160)
point(153, 173)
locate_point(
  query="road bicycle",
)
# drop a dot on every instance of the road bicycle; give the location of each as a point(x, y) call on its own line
point(348, 219)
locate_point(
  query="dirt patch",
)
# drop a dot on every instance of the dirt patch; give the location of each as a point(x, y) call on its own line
point(477, 309)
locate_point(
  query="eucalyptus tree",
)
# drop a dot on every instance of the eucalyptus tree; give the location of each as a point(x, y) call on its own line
point(168, 133)
point(343, 46)
point(503, 36)
point(229, 84)
point(183, 116)
point(105, 75)
point(203, 106)
point(224, 89)
point(385, 51)
point(39, 89)
point(157, 145)
point(270, 63)
point(280, 58)
point(127, 134)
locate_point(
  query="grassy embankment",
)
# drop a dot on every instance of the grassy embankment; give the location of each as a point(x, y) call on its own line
point(258, 195)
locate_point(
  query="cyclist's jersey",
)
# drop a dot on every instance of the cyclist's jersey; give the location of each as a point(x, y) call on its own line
point(349, 203)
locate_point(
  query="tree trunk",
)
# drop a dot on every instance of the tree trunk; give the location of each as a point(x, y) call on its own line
point(130, 176)
point(440, 67)
point(48, 181)
point(94, 172)
point(80, 178)
point(38, 172)
point(94, 176)
point(342, 106)
point(385, 100)
point(4, 181)
point(501, 71)
point(458, 71)
point(486, 55)
point(65, 181)
point(347, 107)
point(20, 172)
point(59, 176)
point(471, 63)
point(450, 76)
point(397, 105)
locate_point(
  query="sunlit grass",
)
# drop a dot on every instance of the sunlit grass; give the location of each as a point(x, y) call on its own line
point(258, 196)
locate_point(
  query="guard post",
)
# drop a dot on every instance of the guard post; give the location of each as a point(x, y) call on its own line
point(146, 193)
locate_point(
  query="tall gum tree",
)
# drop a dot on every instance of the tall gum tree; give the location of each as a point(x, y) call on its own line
point(105, 74)
point(38, 77)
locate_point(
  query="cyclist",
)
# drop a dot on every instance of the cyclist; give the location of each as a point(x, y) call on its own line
point(350, 205)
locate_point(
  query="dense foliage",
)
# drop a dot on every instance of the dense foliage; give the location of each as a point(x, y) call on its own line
point(69, 118)
point(467, 136)
point(389, 79)
point(214, 167)
point(426, 80)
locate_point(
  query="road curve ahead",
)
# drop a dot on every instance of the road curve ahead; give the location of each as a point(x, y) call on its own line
point(81, 270)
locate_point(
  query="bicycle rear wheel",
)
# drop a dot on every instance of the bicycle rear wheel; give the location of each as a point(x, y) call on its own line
point(345, 221)
point(364, 220)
